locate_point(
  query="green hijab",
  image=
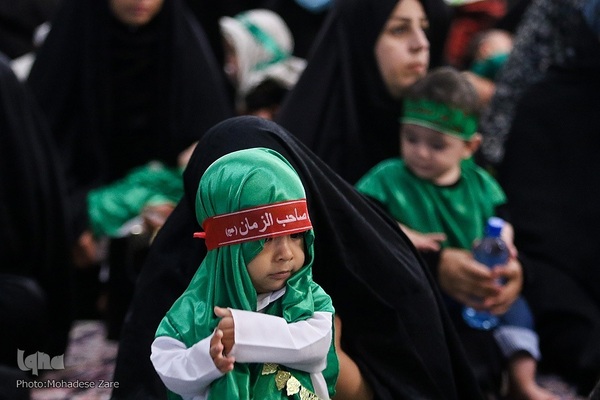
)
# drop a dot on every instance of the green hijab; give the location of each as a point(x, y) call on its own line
point(243, 180)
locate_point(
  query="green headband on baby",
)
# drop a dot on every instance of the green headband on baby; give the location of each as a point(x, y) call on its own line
point(438, 116)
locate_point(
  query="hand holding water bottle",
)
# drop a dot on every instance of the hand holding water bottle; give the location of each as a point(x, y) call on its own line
point(499, 256)
point(472, 283)
point(512, 275)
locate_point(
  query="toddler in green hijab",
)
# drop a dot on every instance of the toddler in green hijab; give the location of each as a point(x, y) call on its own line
point(252, 324)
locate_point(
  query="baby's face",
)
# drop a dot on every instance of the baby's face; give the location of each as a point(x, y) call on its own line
point(279, 259)
point(497, 42)
point(432, 155)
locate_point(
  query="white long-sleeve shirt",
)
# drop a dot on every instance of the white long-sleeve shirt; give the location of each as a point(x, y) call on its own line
point(259, 338)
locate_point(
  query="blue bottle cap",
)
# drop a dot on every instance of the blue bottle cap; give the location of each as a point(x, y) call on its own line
point(494, 226)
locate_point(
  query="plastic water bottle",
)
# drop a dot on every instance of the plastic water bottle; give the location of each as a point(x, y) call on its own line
point(490, 251)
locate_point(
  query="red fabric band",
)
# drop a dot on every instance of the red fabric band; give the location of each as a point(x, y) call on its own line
point(270, 220)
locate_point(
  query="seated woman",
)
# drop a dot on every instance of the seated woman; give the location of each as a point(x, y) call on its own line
point(121, 86)
point(35, 289)
point(396, 329)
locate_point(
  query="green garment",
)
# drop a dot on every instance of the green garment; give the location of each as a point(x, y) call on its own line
point(440, 117)
point(489, 67)
point(241, 180)
point(111, 206)
point(460, 210)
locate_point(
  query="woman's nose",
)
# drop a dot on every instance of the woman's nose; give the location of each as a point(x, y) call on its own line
point(419, 41)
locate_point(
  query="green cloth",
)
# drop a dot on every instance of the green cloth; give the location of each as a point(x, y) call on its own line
point(111, 206)
point(460, 210)
point(439, 117)
point(489, 67)
point(240, 180)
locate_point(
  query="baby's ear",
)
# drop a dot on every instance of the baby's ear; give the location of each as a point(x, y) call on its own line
point(472, 145)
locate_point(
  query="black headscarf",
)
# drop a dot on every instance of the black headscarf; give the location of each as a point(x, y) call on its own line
point(33, 236)
point(18, 23)
point(548, 33)
point(551, 176)
point(340, 108)
point(117, 97)
point(304, 24)
point(395, 326)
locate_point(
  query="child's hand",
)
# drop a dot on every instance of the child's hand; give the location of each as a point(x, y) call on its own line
point(87, 251)
point(424, 241)
point(184, 157)
point(222, 362)
point(226, 325)
point(155, 215)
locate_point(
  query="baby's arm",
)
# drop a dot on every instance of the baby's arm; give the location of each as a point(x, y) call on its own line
point(302, 345)
point(190, 371)
point(424, 241)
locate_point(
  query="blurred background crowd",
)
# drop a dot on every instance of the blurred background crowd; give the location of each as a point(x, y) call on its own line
point(103, 104)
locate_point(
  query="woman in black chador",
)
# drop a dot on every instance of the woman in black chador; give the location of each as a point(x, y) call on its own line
point(346, 105)
point(35, 281)
point(550, 173)
point(395, 326)
point(124, 84)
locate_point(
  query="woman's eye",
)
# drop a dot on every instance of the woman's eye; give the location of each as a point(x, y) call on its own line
point(269, 239)
point(299, 235)
point(398, 30)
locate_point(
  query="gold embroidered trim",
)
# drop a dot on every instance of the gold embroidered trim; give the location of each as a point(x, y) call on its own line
point(293, 386)
point(269, 368)
point(281, 379)
point(306, 394)
point(284, 379)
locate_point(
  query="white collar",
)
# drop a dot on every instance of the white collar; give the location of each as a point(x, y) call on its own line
point(264, 299)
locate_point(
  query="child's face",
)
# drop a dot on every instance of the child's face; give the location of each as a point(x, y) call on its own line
point(498, 42)
point(402, 49)
point(279, 259)
point(231, 64)
point(432, 155)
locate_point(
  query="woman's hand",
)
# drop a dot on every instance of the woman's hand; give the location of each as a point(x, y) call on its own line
point(475, 285)
point(511, 275)
point(351, 385)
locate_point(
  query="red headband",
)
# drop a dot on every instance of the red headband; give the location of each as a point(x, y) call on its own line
point(276, 219)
